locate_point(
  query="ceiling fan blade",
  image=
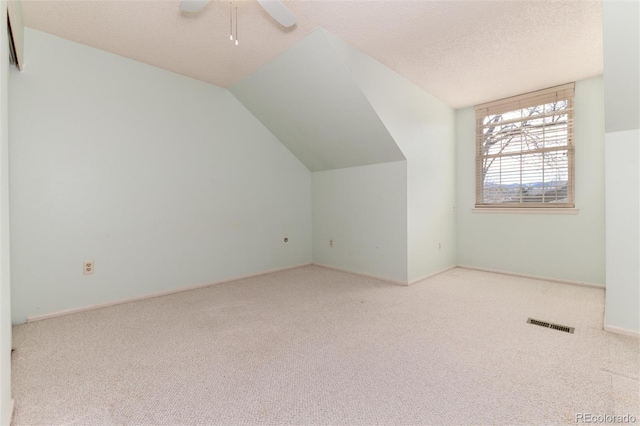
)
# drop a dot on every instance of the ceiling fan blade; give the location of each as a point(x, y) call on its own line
point(279, 12)
point(192, 5)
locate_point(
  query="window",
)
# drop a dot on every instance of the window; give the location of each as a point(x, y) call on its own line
point(525, 151)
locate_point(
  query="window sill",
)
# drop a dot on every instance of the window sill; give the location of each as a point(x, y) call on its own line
point(525, 210)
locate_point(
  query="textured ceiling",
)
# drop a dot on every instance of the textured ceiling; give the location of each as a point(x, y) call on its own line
point(462, 52)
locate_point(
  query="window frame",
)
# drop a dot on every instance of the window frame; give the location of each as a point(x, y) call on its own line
point(520, 102)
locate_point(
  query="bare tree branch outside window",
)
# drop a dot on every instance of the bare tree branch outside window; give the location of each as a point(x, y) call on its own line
point(525, 156)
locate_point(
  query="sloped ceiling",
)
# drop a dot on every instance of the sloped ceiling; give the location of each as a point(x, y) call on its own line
point(463, 52)
point(308, 99)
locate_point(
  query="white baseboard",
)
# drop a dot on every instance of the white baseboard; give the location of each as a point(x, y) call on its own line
point(7, 421)
point(348, 271)
point(157, 294)
point(534, 277)
point(271, 271)
point(426, 277)
point(388, 280)
point(624, 331)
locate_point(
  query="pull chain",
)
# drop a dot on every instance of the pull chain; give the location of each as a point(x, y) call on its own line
point(230, 22)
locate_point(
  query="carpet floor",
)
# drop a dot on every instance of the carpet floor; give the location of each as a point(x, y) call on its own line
point(317, 346)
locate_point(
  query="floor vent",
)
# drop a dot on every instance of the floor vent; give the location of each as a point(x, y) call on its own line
point(551, 325)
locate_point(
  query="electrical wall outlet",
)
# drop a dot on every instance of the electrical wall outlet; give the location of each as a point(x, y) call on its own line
point(87, 267)
point(330, 243)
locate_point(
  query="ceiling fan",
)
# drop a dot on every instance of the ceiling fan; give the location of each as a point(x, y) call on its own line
point(275, 8)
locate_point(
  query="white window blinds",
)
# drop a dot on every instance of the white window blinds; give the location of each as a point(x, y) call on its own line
point(525, 150)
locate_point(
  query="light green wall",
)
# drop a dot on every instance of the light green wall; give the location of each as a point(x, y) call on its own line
point(364, 211)
point(5, 290)
point(336, 108)
point(163, 181)
point(309, 99)
point(621, 61)
point(423, 128)
point(622, 156)
point(621, 39)
point(567, 247)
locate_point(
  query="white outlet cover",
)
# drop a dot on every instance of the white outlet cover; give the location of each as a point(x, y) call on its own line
point(88, 267)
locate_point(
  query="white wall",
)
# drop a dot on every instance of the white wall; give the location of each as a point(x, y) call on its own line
point(5, 290)
point(621, 45)
point(364, 211)
point(423, 127)
point(621, 61)
point(622, 156)
point(562, 247)
point(163, 181)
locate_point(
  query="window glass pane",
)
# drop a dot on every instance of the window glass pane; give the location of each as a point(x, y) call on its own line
point(528, 178)
point(525, 153)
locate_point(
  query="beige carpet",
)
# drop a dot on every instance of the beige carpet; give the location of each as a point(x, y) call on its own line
point(316, 346)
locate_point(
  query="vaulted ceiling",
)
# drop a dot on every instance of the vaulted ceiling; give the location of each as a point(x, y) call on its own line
point(324, 119)
point(462, 52)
